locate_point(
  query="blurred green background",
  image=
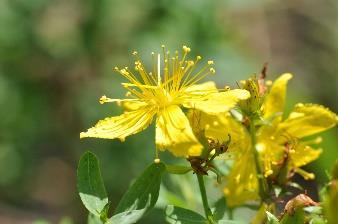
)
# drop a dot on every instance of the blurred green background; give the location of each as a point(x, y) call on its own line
point(56, 59)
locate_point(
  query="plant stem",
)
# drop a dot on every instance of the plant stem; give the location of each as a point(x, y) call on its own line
point(261, 181)
point(206, 207)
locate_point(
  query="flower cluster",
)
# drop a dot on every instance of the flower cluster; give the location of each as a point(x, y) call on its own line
point(266, 145)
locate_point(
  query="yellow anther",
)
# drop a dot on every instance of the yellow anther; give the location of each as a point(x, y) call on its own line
point(134, 53)
point(128, 94)
point(268, 82)
point(227, 88)
point(238, 178)
point(198, 57)
point(226, 191)
point(104, 99)
point(116, 68)
point(191, 63)
point(210, 62)
point(124, 72)
point(310, 176)
point(163, 46)
point(186, 49)
point(318, 140)
point(268, 173)
point(157, 160)
point(212, 70)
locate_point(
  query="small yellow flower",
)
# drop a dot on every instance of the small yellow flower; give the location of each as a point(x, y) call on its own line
point(283, 138)
point(277, 140)
point(171, 83)
point(242, 183)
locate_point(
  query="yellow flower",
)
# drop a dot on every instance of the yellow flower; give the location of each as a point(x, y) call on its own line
point(282, 139)
point(160, 92)
point(242, 183)
point(277, 140)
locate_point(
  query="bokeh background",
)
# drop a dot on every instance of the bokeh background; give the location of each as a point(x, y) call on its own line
point(56, 59)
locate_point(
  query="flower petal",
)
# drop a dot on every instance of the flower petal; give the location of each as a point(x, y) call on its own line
point(121, 126)
point(242, 183)
point(198, 89)
point(218, 127)
point(132, 105)
point(173, 132)
point(275, 100)
point(219, 102)
point(308, 119)
point(303, 154)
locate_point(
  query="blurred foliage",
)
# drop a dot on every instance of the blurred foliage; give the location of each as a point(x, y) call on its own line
point(55, 63)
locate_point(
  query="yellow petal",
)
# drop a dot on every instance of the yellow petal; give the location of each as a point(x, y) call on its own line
point(219, 102)
point(132, 105)
point(218, 127)
point(269, 146)
point(173, 132)
point(307, 119)
point(242, 183)
point(275, 100)
point(198, 89)
point(303, 155)
point(121, 126)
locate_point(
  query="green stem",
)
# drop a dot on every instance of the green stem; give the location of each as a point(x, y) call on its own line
point(261, 181)
point(206, 207)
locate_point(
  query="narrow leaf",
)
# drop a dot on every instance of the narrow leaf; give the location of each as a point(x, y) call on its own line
point(271, 218)
point(220, 208)
point(90, 184)
point(128, 217)
point(145, 190)
point(174, 169)
point(230, 222)
point(176, 215)
point(92, 219)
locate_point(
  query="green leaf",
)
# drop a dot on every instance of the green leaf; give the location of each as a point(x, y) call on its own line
point(173, 169)
point(90, 184)
point(129, 217)
point(220, 208)
point(230, 222)
point(92, 219)
point(144, 192)
point(176, 215)
point(277, 190)
point(314, 209)
point(271, 218)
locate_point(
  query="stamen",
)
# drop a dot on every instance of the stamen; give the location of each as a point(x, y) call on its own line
point(315, 141)
point(304, 174)
point(158, 69)
point(268, 173)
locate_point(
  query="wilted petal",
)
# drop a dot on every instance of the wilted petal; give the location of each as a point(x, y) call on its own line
point(121, 126)
point(173, 132)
